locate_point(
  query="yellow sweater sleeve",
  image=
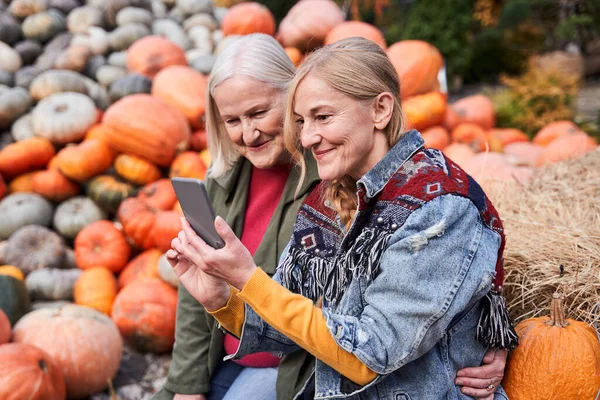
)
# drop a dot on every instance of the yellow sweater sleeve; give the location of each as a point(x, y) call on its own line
point(299, 319)
point(231, 316)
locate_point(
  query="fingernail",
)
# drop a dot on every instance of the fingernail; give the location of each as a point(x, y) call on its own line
point(458, 382)
point(220, 221)
point(460, 373)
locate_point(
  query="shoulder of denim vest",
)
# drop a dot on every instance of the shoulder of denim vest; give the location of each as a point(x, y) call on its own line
point(374, 180)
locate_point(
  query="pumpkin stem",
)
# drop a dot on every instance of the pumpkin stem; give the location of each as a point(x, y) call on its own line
point(43, 366)
point(557, 311)
point(111, 390)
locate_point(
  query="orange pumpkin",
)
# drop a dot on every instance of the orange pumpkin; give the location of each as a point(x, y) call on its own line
point(246, 18)
point(136, 170)
point(150, 54)
point(27, 372)
point(477, 109)
point(307, 24)
point(568, 147)
point(418, 64)
point(84, 161)
point(54, 186)
point(82, 342)
point(144, 311)
point(349, 29)
point(199, 140)
point(147, 226)
point(13, 271)
point(148, 127)
point(3, 187)
point(470, 134)
point(22, 183)
point(425, 110)
point(436, 137)
point(98, 131)
point(96, 288)
point(460, 153)
point(557, 358)
point(506, 135)
point(159, 194)
point(101, 244)
point(145, 265)
point(5, 328)
point(184, 88)
point(490, 166)
point(294, 54)
point(525, 153)
point(554, 130)
point(25, 156)
point(188, 165)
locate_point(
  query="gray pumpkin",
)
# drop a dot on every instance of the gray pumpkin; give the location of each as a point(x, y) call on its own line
point(94, 38)
point(98, 94)
point(14, 300)
point(10, 30)
point(118, 59)
point(191, 7)
point(26, 75)
point(80, 19)
point(52, 283)
point(205, 20)
point(112, 8)
point(24, 8)
point(44, 26)
point(107, 74)
point(159, 9)
point(47, 59)
point(74, 214)
point(57, 81)
point(59, 42)
point(6, 78)
point(64, 6)
point(29, 50)
point(129, 84)
point(172, 31)
point(10, 59)
point(3, 244)
point(21, 129)
point(130, 15)
point(74, 58)
point(20, 209)
point(14, 102)
point(94, 63)
point(35, 247)
point(124, 36)
point(70, 262)
point(53, 305)
point(5, 139)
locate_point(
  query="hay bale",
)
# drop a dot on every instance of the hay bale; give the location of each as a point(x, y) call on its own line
point(552, 225)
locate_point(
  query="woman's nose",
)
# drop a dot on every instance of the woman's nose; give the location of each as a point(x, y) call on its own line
point(309, 136)
point(249, 131)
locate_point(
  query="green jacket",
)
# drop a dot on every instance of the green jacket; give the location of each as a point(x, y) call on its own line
point(198, 348)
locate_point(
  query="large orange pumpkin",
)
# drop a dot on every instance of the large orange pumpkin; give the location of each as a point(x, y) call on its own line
point(554, 130)
point(82, 342)
point(557, 358)
point(506, 135)
point(144, 311)
point(460, 153)
point(27, 372)
point(470, 134)
point(84, 161)
point(136, 170)
point(436, 137)
point(477, 109)
point(148, 127)
point(96, 288)
point(568, 147)
point(525, 153)
point(24, 156)
point(349, 29)
point(54, 186)
point(145, 265)
point(246, 18)
point(101, 244)
point(425, 110)
point(5, 328)
point(495, 167)
point(150, 54)
point(307, 24)
point(159, 194)
point(185, 89)
point(418, 64)
point(188, 165)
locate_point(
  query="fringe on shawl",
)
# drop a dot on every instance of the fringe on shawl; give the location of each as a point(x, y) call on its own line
point(495, 328)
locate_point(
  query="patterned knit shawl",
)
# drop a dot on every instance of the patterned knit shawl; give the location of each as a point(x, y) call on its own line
point(323, 260)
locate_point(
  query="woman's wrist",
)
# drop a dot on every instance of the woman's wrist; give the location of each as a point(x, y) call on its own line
point(219, 300)
point(242, 279)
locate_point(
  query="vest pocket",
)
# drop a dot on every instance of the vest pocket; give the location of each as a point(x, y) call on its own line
point(401, 396)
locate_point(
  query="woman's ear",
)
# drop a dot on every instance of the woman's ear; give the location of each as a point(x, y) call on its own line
point(383, 106)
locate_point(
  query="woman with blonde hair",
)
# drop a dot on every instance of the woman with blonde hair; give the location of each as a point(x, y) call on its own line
point(330, 272)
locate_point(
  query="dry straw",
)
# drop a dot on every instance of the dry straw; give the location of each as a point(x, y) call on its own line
point(552, 226)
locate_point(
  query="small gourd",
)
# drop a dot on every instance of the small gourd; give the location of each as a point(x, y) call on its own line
point(96, 288)
point(108, 192)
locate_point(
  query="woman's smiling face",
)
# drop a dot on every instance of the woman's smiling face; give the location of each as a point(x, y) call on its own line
point(339, 130)
point(252, 112)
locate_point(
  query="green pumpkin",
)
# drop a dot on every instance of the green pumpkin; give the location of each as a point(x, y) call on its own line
point(14, 299)
point(108, 192)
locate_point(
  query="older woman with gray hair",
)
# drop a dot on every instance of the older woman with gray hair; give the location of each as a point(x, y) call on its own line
point(254, 186)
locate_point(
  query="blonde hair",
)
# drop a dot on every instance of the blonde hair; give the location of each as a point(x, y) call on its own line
point(258, 56)
point(357, 68)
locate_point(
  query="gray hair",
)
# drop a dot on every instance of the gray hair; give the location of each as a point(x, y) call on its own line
point(258, 56)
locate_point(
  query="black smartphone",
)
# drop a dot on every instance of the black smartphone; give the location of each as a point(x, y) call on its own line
point(198, 211)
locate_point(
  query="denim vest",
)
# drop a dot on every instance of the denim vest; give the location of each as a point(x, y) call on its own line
point(402, 290)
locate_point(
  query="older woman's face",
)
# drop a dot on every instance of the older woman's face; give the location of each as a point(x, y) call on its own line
point(339, 130)
point(252, 112)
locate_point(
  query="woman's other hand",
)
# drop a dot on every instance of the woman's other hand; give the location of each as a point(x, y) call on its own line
point(476, 381)
point(232, 263)
point(211, 292)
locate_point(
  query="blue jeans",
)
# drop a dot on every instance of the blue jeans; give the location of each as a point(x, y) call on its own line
point(232, 381)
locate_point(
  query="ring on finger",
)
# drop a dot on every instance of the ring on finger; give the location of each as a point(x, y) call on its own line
point(490, 386)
